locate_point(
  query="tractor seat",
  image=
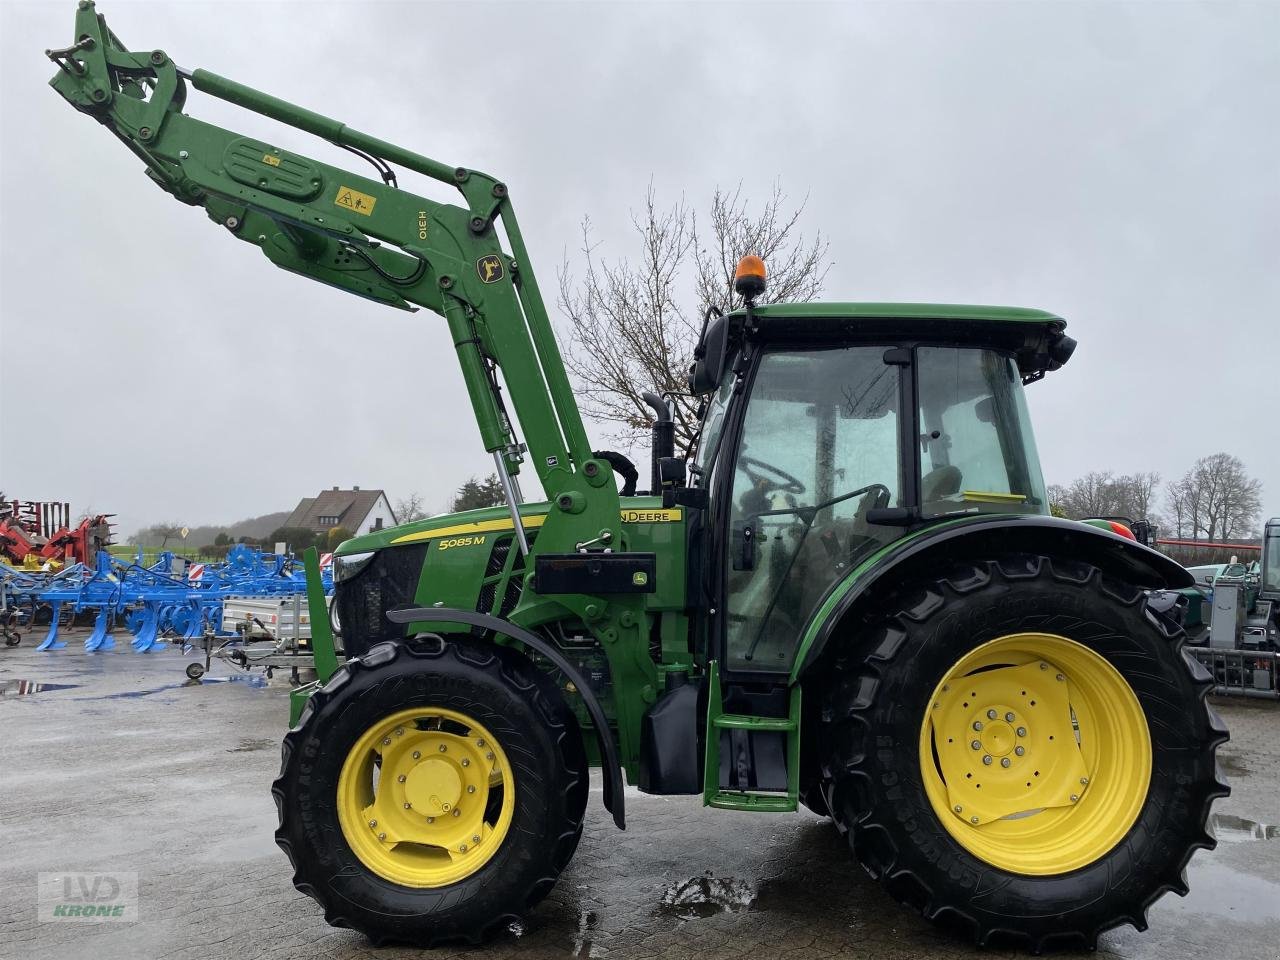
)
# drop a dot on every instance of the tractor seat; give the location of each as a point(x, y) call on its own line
point(940, 484)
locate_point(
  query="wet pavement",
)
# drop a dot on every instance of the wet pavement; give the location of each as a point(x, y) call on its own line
point(116, 762)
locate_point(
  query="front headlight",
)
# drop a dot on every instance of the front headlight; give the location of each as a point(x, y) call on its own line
point(346, 567)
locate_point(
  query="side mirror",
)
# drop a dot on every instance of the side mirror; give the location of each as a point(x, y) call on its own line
point(709, 358)
point(672, 471)
point(695, 498)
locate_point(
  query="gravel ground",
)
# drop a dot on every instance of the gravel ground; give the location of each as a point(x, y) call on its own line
point(129, 768)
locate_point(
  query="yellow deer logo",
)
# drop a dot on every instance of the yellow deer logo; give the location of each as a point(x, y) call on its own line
point(490, 268)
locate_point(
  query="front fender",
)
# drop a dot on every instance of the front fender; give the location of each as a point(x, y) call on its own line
point(611, 766)
point(926, 550)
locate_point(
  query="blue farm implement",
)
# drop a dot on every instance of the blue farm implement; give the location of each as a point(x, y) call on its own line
point(166, 599)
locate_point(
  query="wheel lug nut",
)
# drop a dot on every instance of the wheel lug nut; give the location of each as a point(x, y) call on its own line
point(475, 839)
point(973, 819)
point(401, 779)
point(991, 714)
point(1006, 762)
point(1043, 665)
point(408, 805)
point(466, 762)
point(1009, 718)
point(462, 848)
point(976, 744)
point(479, 743)
point(417, 755)
point(488, 756)
point(471, 789)
point(1061, 678)
point(456, 812)
point(386, 741)
point(1075, 798)
point(1022, 731)
point(959, 809)
point(399, 731)
point(1019, 749)
point(977, 724)
point(373, 823)
point(431, 819)
point(987, 759)
point(1084, 781)
point(382, 836)
point(443, 748)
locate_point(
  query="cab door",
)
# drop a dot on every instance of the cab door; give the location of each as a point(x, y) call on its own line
point(818, 445)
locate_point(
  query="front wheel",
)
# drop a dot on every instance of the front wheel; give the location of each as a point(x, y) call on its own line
point(432, 795)
point(1025, 750)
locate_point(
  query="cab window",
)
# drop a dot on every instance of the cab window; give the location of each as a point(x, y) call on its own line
point(977, 450)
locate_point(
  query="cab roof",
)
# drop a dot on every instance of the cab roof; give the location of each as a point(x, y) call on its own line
point(1035, 337)
point(935, 311)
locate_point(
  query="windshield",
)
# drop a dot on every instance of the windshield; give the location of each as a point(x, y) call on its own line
point(978, 452)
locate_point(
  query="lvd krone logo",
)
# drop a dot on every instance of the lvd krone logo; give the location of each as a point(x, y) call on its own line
point(102, 896)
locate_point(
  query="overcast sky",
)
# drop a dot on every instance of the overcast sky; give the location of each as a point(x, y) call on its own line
point(1116, 163)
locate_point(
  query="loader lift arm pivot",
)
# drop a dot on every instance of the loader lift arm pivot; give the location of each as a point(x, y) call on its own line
point(370, 238)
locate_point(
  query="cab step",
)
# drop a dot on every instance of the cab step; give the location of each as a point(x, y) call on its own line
point(725, 797)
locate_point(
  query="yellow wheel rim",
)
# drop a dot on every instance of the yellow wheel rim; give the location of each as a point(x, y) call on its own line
point(1035, 754)
point(425, 797)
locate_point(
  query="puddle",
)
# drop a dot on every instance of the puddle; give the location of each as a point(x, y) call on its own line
point(1229, 829)
point(588, 920)
point(22, 688)
point(1217, 890)
point(249, 744)
point(706, 896)
point(248, 679)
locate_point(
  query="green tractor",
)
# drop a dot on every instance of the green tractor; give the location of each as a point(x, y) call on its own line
point(848, 594)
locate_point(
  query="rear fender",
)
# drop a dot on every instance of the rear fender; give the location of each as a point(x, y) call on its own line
point(926, 552)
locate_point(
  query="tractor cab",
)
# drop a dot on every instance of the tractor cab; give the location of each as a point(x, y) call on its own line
point(831, 431)
point(1270, 575)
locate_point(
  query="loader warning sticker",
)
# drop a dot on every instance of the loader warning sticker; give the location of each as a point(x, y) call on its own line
point(355, 200)
point(490, 268)
point(271, 159)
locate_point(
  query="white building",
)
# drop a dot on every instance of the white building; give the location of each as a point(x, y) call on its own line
point(359, 511)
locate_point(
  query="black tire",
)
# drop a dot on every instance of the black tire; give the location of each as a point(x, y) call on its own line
point(872, 716)
point(505, 693)
point(195, 670)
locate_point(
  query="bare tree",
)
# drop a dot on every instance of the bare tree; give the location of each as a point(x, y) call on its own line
point(164, 532)
point(1179, 501)
point(797, 267)
point(1217, 498)
point(1100, 493)
point(1092, 495)
point(633, 324)
point(410, 508)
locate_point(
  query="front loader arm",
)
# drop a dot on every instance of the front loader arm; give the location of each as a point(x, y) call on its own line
point(358, 234)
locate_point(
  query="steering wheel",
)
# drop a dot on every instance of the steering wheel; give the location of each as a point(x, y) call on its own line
point(759, 473)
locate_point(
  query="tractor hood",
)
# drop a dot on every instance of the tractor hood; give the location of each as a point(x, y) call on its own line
point(482, 520)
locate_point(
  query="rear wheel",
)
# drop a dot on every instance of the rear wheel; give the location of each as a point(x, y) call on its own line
point(432, 795)
point(1025, 750)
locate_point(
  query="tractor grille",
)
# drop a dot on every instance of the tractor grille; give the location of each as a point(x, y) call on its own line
point(389, 582)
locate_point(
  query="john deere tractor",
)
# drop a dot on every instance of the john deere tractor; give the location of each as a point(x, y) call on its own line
point(847, 594)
